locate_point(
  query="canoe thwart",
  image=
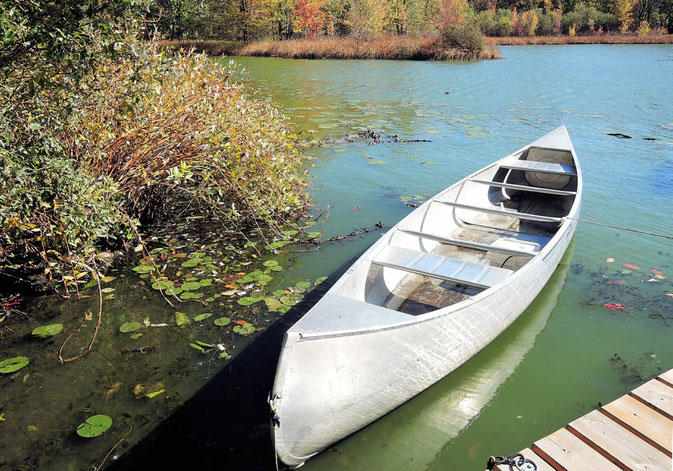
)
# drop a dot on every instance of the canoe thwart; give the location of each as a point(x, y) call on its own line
point(438, 266)
point(542, 167)
point(535, 189)
point(494, 210)
point(530, 249)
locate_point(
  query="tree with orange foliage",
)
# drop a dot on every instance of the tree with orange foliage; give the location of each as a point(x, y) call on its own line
point(452, 12)
point(310, 17)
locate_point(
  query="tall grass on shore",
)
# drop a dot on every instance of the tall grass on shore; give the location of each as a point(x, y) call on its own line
point(401, 47)
point(591, 39)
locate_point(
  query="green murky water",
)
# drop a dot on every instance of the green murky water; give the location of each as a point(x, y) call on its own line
point(554, 364)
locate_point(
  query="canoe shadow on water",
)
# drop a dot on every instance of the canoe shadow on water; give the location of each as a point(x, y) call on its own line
point(225, 425)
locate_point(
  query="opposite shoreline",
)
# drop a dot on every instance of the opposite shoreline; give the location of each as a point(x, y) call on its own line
point(394, 47)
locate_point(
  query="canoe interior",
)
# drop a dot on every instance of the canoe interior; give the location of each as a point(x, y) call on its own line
point(414, 293)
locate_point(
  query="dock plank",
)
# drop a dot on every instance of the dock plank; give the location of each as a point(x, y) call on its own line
point(619, 443)
point(632, 433)
point(668, 377)
point(644, 420)
point(658, 395)
point(572, 453)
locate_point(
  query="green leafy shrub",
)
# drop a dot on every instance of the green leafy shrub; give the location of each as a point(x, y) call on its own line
point(463, 38)
point(99, 131)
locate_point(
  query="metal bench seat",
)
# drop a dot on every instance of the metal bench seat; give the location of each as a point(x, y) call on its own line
point(534, 189)
point(534, 248)
point(542, 167)
point(493, 210)
point(438, 266)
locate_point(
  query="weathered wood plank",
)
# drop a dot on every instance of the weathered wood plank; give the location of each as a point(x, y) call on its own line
point(528, 453)
point(619, 443)
point(657, 394)
point(572, 453)
point(644, 420)
point(668, 377)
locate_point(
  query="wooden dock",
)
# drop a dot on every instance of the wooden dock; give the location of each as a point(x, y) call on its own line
point(635, 432)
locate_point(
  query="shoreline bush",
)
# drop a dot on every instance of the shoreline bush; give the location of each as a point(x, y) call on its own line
point(104, 132)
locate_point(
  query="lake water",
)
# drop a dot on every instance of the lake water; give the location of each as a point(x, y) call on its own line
point(565, 354)
point(558, 361)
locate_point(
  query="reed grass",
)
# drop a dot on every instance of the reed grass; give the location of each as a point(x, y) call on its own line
point(592, 39)
point(403, 47)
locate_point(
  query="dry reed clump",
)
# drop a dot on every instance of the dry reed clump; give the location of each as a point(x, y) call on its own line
point(182, 130)
point(386, 47)
point(593, 39)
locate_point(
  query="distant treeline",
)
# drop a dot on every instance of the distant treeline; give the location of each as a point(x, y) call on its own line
point(247, 20)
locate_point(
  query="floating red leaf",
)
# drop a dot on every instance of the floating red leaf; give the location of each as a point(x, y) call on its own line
point(631, 265)
point(614, 306)
point(657, 272)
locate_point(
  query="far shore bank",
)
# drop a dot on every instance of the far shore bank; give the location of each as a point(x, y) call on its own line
point(401, 47)
point(394, 47)
point(592, 39)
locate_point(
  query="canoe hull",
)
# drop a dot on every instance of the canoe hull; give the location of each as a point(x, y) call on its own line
point(331, 384)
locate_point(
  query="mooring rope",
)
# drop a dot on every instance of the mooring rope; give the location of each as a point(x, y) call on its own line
point(670, 237)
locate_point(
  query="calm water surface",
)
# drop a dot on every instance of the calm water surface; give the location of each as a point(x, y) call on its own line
point(558, 361)
point(554, 364)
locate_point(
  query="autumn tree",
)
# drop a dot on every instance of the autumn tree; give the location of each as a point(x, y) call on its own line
point(309, 17)
point(529, 22)
point(452, 12)
point(624, 13)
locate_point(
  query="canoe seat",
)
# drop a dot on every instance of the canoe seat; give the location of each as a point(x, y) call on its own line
point(534, 189)
point(504, 212)
point(518, 248)
point(438, 266)
point(542, 167)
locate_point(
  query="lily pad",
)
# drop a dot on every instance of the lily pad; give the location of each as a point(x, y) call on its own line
point(47, 330)
point(264, 279)
point(222, 321)
point(284, 308)
point(377, 162)
point(245, 329)
point(206, 282)
point(189, 295)
point(202, 317)
point(191, 286)
point(142, 269)
point(247, 301)
point(94, 426)
point(288, 300)
point(130, 326)
point(181, 319)
point(13, 364)
point(279, 292)
point(191, 263)
point(270, 263)
point(303, 285)
point(272, 304)
point(162, 285)
point(320, 280)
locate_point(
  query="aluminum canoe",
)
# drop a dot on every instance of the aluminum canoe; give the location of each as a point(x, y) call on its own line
point(433, 291)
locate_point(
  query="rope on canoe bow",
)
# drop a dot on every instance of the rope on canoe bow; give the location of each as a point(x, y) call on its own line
point(654, 234)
